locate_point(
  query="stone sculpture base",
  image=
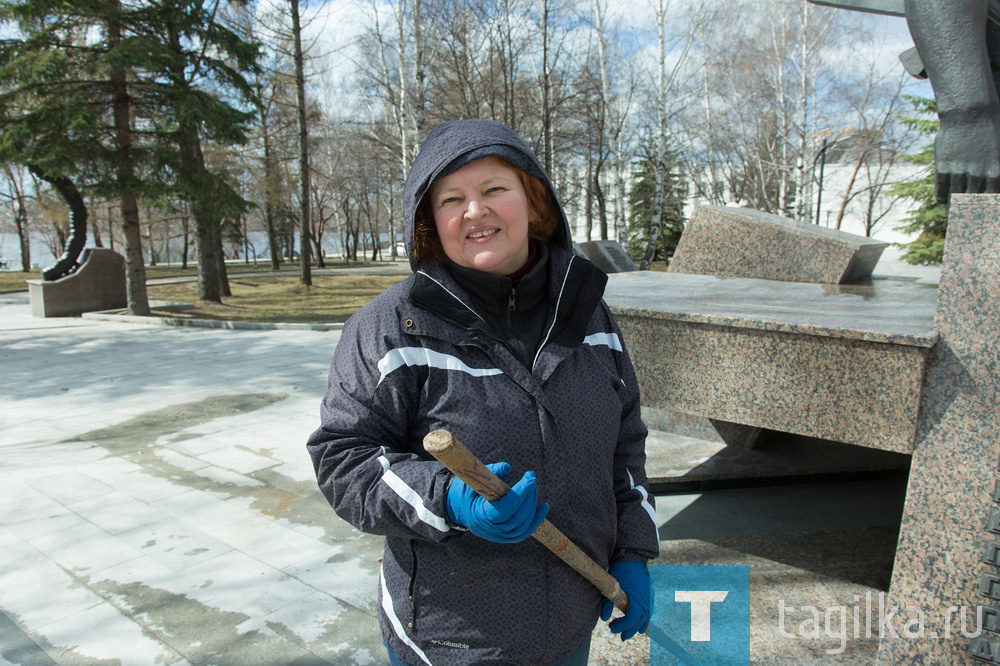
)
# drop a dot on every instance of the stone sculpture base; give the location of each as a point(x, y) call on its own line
point(947, 534)
point(835, 363)
point(609, 256)
point(99, 284)
point(740, 242)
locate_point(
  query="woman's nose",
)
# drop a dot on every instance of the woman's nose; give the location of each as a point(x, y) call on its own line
point(475, 210)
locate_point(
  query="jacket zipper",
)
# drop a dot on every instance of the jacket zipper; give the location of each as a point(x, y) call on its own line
point(413, 580)
point(522, 353)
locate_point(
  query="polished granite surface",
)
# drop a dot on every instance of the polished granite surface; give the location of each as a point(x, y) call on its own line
point(892, 309)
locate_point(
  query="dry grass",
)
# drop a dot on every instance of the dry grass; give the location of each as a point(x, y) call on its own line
point(17, 280)
point(331, 299)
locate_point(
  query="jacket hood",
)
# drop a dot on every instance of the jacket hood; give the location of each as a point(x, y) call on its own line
point(454, 143)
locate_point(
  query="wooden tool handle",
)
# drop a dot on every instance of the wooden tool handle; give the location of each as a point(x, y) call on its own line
point(452, 454)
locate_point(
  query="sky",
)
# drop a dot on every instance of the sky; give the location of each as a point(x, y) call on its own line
point(335, 24)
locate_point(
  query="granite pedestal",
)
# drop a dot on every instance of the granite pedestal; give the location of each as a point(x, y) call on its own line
point(842, 363)
point(99, 284)
point(948, 544)
point(740, 242)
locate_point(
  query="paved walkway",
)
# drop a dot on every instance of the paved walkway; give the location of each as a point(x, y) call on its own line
point(158, 505)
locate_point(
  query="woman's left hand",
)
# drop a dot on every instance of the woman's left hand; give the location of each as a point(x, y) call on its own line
point(635, 581)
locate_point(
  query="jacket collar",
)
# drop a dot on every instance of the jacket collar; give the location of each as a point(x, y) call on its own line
point(491, 292)
point(575, 286)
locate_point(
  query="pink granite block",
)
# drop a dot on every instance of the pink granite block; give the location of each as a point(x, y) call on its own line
point(943, 538)
point(741, 242)
point(843, 363)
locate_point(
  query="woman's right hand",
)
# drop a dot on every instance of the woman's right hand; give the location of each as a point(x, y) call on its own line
point(512, 518)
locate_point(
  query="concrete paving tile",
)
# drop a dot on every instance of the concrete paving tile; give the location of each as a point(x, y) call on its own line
point(16, 491)
point(58, 456)
point(292, 451)
point(174, 543)
point(84, 547)
point(202, 510)
point(221, 477)
point(109, 467)
point(310, 617)
point(69, 486)
point(143, 569)
point(178, 459)
point(40, 592)
point(209, 428)
point(269, 542)
point(34, 430)
point(103, 633)
point(275, 591)
point(36, 516)
point(146, 487)
point(222, 643)
point(238, 459)
point(19, 647)
point(115, 512)
point(295, 479)
point(192, 444)
point(336, 633)
point(343, 573)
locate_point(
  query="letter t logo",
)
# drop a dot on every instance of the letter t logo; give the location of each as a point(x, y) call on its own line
point(701, 610)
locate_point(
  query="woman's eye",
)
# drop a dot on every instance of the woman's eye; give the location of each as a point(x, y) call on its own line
point(449, 200)
point(496, 189)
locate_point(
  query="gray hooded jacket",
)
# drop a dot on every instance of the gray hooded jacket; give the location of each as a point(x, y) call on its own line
point(418, 358)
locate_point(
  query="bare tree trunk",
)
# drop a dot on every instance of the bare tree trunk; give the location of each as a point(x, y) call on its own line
point(95, 227)
point(848, 195)
point(270, 177)
point(546, 90)
point(305, 269)
point(661, 138)
point(604, 116)
point(186, 226)
point(602, 208)
point(138, 301)
point(20, 217)
point(220, 260)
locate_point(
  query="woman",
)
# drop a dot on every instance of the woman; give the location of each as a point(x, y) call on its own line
point(501, 337)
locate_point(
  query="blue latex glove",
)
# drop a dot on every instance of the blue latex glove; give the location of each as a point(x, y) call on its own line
point(636, 583)
point(510, 519)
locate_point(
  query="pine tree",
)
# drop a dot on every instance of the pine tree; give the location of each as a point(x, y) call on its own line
point(56, 101)
point(80, 77)
point(642, 204)
point(929, 219)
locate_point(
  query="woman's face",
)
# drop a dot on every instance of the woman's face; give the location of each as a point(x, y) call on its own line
point(481, 213)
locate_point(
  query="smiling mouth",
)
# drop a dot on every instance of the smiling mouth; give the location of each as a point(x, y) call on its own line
point(483, 234)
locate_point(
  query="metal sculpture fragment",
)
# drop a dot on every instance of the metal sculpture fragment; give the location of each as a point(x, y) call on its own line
point(957, 48)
